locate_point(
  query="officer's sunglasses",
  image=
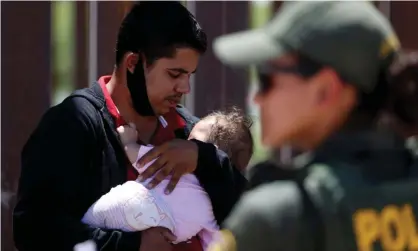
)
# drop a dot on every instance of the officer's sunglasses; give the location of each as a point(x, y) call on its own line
point(305, 68)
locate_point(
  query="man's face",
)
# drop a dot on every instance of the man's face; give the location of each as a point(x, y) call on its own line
point(167, 79)
point(292, 107)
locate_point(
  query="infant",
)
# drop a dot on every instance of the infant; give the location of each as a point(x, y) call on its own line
point(187, 211)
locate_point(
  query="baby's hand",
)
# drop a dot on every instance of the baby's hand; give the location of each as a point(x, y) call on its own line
point(128, 134)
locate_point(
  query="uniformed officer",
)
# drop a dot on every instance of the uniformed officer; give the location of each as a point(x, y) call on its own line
point(323, 70)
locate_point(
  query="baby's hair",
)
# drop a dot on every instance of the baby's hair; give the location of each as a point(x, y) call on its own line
point(230, 131)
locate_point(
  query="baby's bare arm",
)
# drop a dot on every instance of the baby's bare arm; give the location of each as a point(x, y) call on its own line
point(132, 150)
point(128, 136)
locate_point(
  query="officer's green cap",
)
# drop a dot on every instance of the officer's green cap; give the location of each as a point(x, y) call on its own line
point(352, 37)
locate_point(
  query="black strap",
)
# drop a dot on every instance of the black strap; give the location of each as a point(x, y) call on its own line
point(313, 214)
point(83, 94)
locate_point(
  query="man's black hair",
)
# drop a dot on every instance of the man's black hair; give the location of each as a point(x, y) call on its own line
point(157, 28)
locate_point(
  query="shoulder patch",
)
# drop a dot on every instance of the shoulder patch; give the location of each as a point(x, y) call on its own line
point(225, 241)
point(389, 45)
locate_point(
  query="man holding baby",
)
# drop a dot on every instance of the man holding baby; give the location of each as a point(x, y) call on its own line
point(75, 155)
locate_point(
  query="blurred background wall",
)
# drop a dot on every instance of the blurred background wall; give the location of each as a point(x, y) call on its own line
point(49, 49)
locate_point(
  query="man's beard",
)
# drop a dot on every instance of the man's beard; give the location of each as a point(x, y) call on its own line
point(138, 90)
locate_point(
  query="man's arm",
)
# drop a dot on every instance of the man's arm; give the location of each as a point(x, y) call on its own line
point(266, 218)
point(220, 179)
point(52, 196)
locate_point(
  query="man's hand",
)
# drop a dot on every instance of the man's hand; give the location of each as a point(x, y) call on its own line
point(191, 245)
point(175, 158)
point(156, 238)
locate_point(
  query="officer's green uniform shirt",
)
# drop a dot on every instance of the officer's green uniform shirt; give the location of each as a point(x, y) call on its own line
point(269, 171)
point(357, 41)
point(349, 175)
point(267, 218)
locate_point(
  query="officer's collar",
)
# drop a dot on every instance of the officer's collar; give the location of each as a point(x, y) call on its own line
point(348, 142)
point(377, 151)
point(412, 145)
point(302, 160)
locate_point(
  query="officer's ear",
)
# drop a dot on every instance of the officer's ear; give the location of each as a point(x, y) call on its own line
point(329, 87)
point(333, 92)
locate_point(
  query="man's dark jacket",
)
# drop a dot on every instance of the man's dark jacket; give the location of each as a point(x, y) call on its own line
point(74, 156)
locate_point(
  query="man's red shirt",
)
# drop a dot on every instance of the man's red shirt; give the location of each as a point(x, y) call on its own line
point(174, 120)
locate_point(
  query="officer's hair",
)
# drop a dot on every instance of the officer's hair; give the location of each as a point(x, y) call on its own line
point(396, 92)
point(230, 131)
point(403, 89)
point(156, 29)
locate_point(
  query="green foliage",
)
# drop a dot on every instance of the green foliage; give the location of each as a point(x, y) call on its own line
point(63, 49)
